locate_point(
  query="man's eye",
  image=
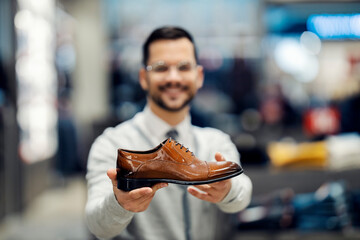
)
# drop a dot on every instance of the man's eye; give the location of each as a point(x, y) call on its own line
point(184, 67)
point(161, 68)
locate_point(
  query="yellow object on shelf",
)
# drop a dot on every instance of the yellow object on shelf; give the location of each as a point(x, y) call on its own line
point(285, 154)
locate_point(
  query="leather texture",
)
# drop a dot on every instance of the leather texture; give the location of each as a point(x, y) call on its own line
point(171, 162)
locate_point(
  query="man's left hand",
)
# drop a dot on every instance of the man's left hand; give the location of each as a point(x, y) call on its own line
point(213, 192)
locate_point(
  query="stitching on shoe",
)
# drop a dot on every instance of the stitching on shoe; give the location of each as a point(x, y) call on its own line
point(208, 168)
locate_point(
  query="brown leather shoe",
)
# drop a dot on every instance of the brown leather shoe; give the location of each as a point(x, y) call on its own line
point(169, 162)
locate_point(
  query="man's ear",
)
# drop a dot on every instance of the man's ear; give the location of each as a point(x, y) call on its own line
point(142, 79)
point(200, 78)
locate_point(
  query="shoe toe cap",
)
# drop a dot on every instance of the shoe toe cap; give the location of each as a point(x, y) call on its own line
point(219, 169)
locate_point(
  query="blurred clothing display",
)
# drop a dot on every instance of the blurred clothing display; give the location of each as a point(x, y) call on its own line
point(299, 155)
point(273, 211)
point(338, 152)
point(326, 209)
point(332, 207)
point(344, 151)
point(355, 207)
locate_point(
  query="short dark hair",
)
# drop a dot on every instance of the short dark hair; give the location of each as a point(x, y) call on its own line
point(167, 32)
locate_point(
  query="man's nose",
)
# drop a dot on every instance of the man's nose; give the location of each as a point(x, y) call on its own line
point(173, 74)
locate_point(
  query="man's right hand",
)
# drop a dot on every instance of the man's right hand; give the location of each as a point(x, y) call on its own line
point(136, 200)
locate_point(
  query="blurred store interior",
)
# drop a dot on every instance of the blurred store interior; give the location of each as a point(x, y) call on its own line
point(282, 78)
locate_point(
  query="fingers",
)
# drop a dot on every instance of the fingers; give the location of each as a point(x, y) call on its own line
point(112, 173)
point(206, 195)
point(219, 157)
point(146, 192)
point(143, 196)
point(214, 192)
point(136, 200)
point(206, 188)
point(159, 186)
point(139, 199)
point(140, 193)
point(216, 186)
point(203, 195)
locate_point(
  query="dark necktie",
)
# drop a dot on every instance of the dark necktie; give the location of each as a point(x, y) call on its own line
point(173, 133)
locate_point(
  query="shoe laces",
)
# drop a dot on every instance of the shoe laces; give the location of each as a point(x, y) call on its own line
point(181, 146)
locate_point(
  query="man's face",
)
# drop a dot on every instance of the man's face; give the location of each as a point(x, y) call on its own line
point(173, 77)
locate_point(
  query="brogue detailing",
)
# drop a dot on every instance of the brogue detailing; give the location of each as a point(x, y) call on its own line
point(169, 162)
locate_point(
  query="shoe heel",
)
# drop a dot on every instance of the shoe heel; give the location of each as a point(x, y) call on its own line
point(127, 184)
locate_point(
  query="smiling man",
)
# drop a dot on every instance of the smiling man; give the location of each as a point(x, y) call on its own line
point(171, 77)
point(174, 72)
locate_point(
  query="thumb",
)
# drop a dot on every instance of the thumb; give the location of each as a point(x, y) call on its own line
point(159, 186)
point(219, 157)
point(112, 175)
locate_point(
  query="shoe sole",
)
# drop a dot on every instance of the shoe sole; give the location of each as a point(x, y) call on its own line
point(128, 184)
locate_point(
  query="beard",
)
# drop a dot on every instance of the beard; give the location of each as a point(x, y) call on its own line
point(156, 97)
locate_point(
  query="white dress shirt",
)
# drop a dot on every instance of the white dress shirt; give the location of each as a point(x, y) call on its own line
point(173, 212)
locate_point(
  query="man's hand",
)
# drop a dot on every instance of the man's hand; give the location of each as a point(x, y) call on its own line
point(136, 200)
point(213, 192)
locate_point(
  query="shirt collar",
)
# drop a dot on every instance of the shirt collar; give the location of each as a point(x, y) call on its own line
point(158, 127)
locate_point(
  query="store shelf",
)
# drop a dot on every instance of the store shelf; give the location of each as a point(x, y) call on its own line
point(267, 179)
point(294, 235)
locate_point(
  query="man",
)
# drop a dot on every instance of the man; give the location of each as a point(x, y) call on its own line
point(171, 78)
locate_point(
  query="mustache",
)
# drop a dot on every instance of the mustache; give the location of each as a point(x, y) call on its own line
point(173, 85)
